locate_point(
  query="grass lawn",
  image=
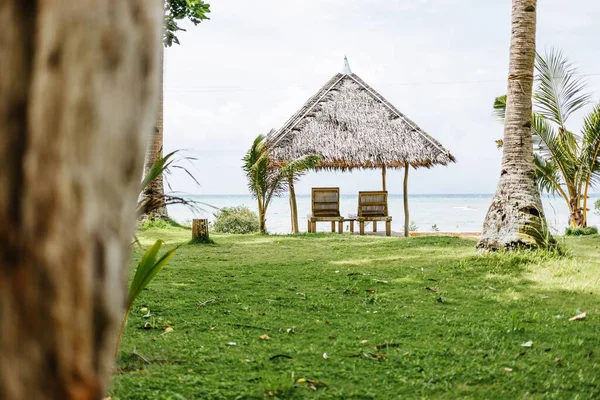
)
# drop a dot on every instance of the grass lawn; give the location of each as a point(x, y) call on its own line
point(397, 318)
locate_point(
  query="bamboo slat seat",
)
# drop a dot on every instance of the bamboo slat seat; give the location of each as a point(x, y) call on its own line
point(373, 207)
point(325, 208)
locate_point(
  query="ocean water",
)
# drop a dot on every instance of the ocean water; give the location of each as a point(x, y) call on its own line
point(449, 212)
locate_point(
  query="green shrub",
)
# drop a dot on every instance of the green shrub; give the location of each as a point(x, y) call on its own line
point(590, 230)
point(597, 206)
point(238, 220)
point(159, 223)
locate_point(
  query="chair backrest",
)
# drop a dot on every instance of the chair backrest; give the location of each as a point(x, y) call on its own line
point(372, 204)
point(326, 202)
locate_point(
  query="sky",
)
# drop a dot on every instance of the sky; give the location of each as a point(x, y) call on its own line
point(441, 62)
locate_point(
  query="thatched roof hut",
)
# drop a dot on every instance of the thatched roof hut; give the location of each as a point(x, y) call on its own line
point(350, 126)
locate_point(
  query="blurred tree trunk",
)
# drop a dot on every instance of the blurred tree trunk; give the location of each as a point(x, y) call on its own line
point(156, 189)
point(78, 87)
point(515, 218)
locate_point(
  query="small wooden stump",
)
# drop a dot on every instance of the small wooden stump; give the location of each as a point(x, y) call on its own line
point(200, 231)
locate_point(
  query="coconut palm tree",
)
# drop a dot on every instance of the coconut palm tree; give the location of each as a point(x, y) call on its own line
point(266, 180)
point(174, 11)
point(515, 218)
point(567, 163)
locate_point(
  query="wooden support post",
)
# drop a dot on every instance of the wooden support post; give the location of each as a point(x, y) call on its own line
point(200, 230)
point(341, 226)
point(383, 174)
point(374, 226)
point(313, 226)
point(293, 205)
point(333, 226)
point(308, 223)
point(388, 228)
point(405, 195)
point(351, 226)
point(361, 225)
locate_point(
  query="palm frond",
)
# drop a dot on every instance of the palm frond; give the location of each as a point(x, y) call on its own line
point(549, 145)
point(548, 176)
point(560, 90)
point(590, 146)
point(500, 107)
point(160, 166)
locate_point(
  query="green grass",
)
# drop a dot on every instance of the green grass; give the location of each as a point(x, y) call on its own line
point(344, 296)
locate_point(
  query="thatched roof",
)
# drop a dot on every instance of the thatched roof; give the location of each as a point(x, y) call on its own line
point(351, 126)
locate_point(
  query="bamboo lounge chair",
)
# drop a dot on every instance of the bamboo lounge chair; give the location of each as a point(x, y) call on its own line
point(373, 206)
point(325, 208)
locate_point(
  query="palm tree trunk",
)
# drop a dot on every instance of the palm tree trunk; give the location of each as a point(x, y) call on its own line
point(516, 218)
point(77, 98)
point(262, 223)
point(156, 189)
point(293, 205)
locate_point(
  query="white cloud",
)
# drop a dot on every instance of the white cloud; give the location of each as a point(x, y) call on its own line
point(253, 64)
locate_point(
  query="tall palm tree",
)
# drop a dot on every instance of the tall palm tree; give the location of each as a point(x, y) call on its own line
point(515, 218)
point(266, 180)
point(567, 163)
point(174, 10)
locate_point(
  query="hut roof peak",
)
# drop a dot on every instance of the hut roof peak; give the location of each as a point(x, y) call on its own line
point(346, 69)
point(350, 125)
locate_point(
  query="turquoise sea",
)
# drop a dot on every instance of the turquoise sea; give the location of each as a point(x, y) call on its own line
point(449, 212)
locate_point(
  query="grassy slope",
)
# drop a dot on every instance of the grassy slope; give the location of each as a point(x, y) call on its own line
point(337, 291)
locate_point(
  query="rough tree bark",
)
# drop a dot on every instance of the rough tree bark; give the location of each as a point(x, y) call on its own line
point(156, 189)
point(515, 218)
point(78, 87)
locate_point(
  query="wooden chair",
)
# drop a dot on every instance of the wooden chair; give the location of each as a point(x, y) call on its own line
point(373, 206)
point(325, 208)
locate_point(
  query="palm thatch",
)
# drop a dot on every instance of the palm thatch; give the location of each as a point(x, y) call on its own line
point(351, 126)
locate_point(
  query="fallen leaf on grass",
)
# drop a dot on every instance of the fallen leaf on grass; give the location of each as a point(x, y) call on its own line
point(578, 317)
point(168, 329)
point(313, 385)
point(325, 356)
point(364, 341)
point(264, 337)
point(386, 345)
point(142, 310)
point(432, 289)
point(529, 343)
point(371, 291)
point(231, 344)
point(508, 369)
point(290, 330)
point(375, 356)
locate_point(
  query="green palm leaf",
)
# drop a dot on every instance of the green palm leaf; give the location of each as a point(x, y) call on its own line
point(500, 107)
point(590, 146)
point(147, 269)
point(560, 90)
